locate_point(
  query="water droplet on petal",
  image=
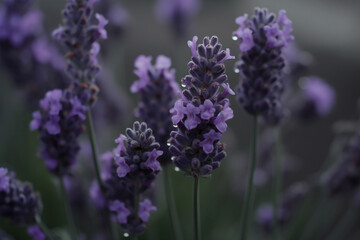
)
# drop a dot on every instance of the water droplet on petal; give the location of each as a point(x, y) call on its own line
point(177, 169)
point(234, 38)
point(172, 158)
point(169, 144)
point(126, 235)
point(175, 125)
point(183, 85)
point(236, 70)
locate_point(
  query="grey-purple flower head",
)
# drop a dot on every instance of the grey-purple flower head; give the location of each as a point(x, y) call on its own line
point(177, 12)
point(80, 36)
point(59, 121)
point(128, 171)
point(262, 39)
point(18, 201)
point(158, 93)
point(317, 98)
point(202, 111)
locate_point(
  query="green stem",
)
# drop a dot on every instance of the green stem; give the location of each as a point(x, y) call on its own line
point(94, 149)
point(114, 229)
point(44, 228)
point(277, 182)
point(196, 209)
point(247, 207)
point(69, 215)
point(171, 205)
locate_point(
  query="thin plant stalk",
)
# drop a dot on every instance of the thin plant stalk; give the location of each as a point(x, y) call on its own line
point(44, 228)
point(69, 215)
point(94, 149)
point(171, 205)
point(278, 167)
point(197, 228)
point(113, 228)
point(247, 207)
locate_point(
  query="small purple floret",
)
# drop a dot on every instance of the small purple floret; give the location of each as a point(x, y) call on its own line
point(145, 208)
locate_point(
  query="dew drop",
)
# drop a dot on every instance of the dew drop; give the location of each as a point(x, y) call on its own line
point(172, 158)
point(234, 38)
point(177, 169)
point(236, 70)
point(183, 85)
point(169, 144)
point(126, 235)
point(175, 125)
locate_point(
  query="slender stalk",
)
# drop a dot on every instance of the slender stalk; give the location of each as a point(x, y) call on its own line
point(247, 207)
point(171, 205)
point(44, 228)
point(277, 182)
point(196, 209)
point(114, 229)
point(69, 215)
point(94, 149)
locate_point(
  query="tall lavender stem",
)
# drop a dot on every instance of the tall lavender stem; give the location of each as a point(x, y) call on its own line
point(171, 205)
point(247, 207)
point(277, 182)
point(69, 215)
point(94, 149)
point(196, 203)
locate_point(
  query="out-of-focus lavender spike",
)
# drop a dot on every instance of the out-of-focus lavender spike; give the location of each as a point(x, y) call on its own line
point(345, 176)
point(26, 53)
point(262, 40)
point(59, 121)
point(128, 171)
point(290, 200)
point(158, 92)
point(202, 111)
point(18, 201)
point(177, 12)
point(316, 99)
point(80, 36)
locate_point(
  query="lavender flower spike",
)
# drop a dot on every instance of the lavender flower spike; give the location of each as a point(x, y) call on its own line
point(18, 201)
point(202, 111)
point(158, 93)
point(80, 36)
point(127, 173)
point(262, 39)
point(59, 121)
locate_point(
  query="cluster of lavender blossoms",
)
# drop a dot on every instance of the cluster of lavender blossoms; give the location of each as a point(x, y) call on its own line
point(263, 39)
point(59, 121)
point(201, 113)
point(18, 201)
point(26, 53)
point(62, 113)
point(159, 92)
point(80, 36)
point(128, 171)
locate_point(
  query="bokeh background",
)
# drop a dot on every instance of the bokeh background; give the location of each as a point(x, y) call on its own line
point(327, 30)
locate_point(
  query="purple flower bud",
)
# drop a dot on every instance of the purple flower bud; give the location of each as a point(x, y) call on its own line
point(178, 111)
point(192, 120)
point(101, 26)
point(207, 110)
point(152, 161)
point(96, 195)
point(220, 120)
point(36, 233)
point(208, 142)
point(123, 168)
point(121, 211)
point(144, 210)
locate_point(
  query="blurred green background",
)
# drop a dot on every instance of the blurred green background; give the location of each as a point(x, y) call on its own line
point(327, 29)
